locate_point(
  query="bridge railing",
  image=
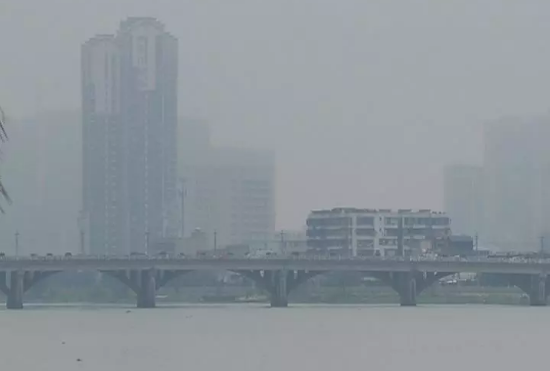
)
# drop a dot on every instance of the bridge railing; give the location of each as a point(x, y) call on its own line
point(372, 259)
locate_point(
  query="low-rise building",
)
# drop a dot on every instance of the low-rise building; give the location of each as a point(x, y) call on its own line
point(363, 232)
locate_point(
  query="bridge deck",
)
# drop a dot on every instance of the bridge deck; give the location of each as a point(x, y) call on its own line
point(483, 265)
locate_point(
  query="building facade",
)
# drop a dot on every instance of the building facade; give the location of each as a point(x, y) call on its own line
point(463, 198)
point(229, 193)
point(367, 232)
point(516, 183)
point(129, 117)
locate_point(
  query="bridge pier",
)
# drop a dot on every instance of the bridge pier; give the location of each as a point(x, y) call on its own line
point(15, 290)
point(534, 285)
point(279, 292)
point(409, 285)
point(146, 288)
point(537, 294)
point(14, 284)
point(145, 282)
point(278, 283)
point(406, 282)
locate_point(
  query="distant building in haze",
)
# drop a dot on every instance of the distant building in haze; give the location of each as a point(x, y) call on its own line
point(42, 171)
point(129, 119)
point(517, 183)
point(463, 197)
point(228, 193)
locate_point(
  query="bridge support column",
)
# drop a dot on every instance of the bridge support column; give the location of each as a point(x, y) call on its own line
point(406, 283)
point(409, 284)
point(16, 289)
point(146, 288)
point(533, 285)
point(279, 292)
point(278, 283)
point(537, 294)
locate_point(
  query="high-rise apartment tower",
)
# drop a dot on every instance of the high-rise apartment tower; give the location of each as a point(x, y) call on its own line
point(129, 118)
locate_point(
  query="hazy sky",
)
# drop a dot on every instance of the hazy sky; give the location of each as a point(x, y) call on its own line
point(363, 100)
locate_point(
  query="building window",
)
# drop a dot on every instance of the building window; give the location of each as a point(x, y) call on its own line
point(142, 51)
point(365, 220)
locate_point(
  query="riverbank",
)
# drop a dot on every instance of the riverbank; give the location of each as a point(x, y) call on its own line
point(304, 295)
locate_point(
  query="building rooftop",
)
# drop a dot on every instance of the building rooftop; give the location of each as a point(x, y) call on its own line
point(132, 22)
point(352, 210)
point(99, 39)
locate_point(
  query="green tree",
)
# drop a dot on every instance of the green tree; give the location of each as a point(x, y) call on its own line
point(3, 137)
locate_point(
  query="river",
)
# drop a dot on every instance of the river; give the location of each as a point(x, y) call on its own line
point(256, 338)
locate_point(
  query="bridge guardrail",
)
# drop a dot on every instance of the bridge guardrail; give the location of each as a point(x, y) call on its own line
point(419, 259)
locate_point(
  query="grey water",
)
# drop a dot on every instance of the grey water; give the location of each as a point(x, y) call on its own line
point(253, 338)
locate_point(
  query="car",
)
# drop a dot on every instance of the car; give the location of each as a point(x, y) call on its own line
point(137, 254)
point(2, 255)
point(34, 256)
point(68, 254)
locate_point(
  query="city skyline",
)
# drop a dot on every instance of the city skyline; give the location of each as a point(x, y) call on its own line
point(356, 88)
point(347, 145)
point(277, 178)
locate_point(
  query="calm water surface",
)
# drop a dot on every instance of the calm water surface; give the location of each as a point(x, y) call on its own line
point(243, 338)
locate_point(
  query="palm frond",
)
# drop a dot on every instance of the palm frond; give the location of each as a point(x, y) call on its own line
point(3, 137)
point(3, 134)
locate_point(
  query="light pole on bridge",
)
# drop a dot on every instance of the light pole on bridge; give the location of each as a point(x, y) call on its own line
point(147, 241)
point(215, 240)
point(17, 243)
point(283, 242)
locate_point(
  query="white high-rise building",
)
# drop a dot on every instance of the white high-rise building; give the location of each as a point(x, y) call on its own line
point(129, 117)
point(517, 183)
point(229, 193)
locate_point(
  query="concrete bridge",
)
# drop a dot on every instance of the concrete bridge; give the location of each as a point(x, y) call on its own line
point(277, 276)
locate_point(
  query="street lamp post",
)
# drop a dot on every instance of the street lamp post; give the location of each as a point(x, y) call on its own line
point(183, 193)
point(283, 243)
point(17, 243)
point(81, 221)
point(147, 242)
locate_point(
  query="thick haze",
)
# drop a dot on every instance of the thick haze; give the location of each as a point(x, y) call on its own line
point(364, 101)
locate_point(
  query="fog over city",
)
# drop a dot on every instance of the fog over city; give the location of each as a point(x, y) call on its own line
point(363, 102)
point(246, 185)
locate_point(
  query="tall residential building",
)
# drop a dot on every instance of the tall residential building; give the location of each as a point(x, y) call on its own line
point(229, 192)
point(129, 117)
point(463, 196)
point(517, 183)
point(367, 232)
